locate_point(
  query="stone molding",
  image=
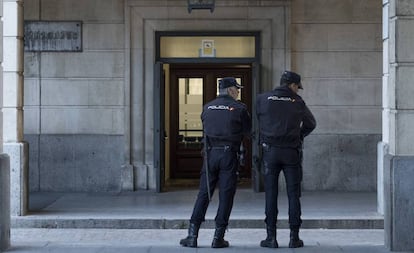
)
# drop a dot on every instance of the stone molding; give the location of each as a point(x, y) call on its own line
point(141, 22)
point(19, 178)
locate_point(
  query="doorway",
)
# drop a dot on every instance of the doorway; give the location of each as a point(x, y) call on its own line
point(191, 86)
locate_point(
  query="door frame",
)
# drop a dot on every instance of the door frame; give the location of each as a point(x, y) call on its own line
point(159, 125)
point(254, 61)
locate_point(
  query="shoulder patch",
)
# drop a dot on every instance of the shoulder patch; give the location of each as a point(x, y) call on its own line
point(220, 107)
point(276, 98)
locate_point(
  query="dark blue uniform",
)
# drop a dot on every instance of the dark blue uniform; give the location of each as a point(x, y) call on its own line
point(284, 120)
point(225, 122)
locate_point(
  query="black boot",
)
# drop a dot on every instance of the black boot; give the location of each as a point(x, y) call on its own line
point(191, 239)
point(295, 242)
point(218, 240)
point(270, 241)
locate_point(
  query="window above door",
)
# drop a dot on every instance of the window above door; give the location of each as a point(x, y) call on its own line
point(207, 46)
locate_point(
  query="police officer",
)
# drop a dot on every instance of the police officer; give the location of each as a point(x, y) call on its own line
point(284, 121)
point(225, 122)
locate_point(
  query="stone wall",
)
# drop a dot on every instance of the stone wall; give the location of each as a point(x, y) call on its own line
point(336, 46)
point(74, 101)
point(398, 114)
point(1, 77)
point(65, 163)
point(5, 201)
point(105, 92)
point(4, 161)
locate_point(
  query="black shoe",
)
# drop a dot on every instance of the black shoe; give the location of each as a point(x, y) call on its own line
point(218, 240)
point(295, 242)
point(219, 243)
point(191, 239)
point(270, 241)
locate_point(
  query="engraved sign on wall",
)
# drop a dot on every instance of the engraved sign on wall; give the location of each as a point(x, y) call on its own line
point(53, 36)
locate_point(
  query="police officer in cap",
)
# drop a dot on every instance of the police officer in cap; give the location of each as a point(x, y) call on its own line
point(284, 121)
point(225, 122)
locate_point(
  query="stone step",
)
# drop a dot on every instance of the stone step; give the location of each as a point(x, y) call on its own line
point(172, 210)
point(128, 223)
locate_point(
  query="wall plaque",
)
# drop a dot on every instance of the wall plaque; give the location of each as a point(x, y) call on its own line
point(53, 36)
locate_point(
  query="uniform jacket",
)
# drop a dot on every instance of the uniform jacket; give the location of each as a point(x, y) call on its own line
point(226, 120)
point(284, 118)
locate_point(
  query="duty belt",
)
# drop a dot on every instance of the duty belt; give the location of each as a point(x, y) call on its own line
point(225, 148)
point(268, 146)
point(265, 145)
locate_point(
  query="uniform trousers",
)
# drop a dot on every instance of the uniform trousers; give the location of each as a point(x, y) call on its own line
point(222, 171)
point(288, 160)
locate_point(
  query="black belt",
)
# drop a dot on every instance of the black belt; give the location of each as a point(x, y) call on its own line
point(268, 146)
point(226, 148)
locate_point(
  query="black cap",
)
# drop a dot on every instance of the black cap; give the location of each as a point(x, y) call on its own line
point(227, 82)
point(289, 77)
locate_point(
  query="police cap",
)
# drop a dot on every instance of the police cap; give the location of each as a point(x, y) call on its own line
point(289, 77)
point(227, 82)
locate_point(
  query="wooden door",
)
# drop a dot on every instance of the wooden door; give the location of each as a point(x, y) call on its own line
point(191, 87)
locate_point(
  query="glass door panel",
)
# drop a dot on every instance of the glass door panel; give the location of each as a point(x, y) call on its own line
point(190, 105)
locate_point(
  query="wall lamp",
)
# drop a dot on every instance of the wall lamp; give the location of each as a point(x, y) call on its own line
point(201, 4)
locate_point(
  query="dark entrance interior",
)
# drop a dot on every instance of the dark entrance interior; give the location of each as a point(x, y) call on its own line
point(191, 86)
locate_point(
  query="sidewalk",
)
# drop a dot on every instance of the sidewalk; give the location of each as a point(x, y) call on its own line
point(155, 222)
point(167, 241)
point(171, 210)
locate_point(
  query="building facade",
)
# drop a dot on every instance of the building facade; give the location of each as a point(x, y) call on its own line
point(89, 115)
point(118, 112)
point(4, 161)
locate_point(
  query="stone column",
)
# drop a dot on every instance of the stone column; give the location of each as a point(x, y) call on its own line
point(398, 124)
point(14, 145)
point(4, 199)
point(4, 162)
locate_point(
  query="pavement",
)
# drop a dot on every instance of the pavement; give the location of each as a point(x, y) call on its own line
point(155, 222)
point(171, 210)
point(167, 240)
